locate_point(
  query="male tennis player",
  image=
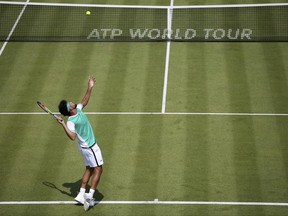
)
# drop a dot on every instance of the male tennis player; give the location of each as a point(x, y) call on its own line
point(78, 126)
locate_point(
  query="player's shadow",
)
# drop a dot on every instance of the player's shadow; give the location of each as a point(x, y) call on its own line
point(74, 188)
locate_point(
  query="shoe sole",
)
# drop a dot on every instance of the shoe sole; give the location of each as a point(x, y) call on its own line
point(79, 201)
point(86, 202)
point(86, 205)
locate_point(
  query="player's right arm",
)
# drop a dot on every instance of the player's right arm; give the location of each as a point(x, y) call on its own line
point(69, 133)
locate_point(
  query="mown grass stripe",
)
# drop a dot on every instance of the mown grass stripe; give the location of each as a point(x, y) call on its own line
point(277, 76)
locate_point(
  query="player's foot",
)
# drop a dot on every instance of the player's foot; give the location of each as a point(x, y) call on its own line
point(80, 198)
point(88, 201)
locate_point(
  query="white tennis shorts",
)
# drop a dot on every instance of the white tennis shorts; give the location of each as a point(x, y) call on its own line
point(92, 156)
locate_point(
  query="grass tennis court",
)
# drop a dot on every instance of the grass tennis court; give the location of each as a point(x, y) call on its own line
point(222, 137)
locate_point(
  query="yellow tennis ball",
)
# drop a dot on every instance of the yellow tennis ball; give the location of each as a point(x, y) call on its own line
point(88, 12)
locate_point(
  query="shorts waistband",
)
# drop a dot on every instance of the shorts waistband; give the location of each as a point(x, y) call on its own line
point(88, 147)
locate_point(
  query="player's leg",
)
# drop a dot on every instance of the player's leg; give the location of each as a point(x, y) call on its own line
point(96, 162)
point(88, 197)
point(85, 179)
point(97, 172)
point(86, 176)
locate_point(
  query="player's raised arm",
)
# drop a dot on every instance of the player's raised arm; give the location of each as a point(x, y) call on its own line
point(86, 97)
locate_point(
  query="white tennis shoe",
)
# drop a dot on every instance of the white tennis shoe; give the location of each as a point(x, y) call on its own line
point(80, 198)
point(88, 201)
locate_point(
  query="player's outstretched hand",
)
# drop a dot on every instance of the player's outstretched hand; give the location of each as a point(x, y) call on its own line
point(91, 81)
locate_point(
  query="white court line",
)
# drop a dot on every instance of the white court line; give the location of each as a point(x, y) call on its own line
point(146, 6)
point(166, 77)
point(169, 27)
point(154, 113)
point(13, 28)
point(154, 202)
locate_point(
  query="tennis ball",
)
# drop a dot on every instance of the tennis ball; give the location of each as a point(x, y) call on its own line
point(88, 12)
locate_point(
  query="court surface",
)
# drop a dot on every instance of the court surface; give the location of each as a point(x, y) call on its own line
point(185, 128)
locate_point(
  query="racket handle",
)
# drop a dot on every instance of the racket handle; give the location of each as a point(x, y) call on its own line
point(55, 116)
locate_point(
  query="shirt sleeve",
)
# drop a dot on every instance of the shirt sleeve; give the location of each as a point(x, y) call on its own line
point(71, 126)
point(80, 106)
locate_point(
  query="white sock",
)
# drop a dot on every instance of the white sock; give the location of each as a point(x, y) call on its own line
point(92, 192)
point(82, 190)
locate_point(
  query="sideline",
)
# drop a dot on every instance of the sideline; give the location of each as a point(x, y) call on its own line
point(13, 28)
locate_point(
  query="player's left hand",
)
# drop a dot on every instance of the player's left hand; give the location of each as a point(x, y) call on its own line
point(91, 81)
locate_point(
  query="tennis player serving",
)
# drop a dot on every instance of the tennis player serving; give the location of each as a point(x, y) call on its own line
point(78, 126)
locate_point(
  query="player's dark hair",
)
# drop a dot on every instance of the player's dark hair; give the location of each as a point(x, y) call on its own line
point(63, 108)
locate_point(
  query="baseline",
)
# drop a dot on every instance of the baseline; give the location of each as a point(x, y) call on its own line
point(154, 202)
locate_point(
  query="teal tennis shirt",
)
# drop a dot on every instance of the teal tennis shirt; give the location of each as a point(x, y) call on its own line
point(80, 125)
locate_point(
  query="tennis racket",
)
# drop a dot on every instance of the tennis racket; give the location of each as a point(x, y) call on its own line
point(42, 106)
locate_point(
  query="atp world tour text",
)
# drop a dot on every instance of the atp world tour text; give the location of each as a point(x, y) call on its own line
point(177, 34)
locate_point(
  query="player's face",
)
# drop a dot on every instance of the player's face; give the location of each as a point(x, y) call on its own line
point(73, 106)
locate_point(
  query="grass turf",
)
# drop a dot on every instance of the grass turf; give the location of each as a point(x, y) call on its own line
point(169, 157)
point(147, 156)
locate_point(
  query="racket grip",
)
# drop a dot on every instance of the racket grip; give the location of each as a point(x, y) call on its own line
point(57, 117)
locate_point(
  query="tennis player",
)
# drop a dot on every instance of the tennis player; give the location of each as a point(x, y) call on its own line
point(79, 126)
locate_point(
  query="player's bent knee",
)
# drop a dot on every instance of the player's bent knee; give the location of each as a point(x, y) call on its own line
point(99, 170)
